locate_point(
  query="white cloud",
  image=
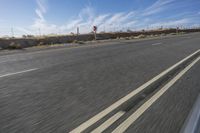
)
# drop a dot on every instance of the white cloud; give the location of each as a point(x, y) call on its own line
point(131, 23)
point(39, 14)
point(114, 18)
point(85, 20)
point(110, 22)
point(175, 23)
point(158, 6)
point(99, 20)
point(23, 30)
point(42, 5)
point(87, 13)
point(40, 24)
point(41, 9)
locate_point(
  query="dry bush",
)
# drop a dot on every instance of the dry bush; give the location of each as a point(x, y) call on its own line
point(78, 42)
point(140, 36)
point(14, 45)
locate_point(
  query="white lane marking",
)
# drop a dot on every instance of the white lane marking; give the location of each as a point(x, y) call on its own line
point(156, 44)
point(109, 109)
point(109, 122)
point(131, 119)
point(10, 74)
point(8, 61)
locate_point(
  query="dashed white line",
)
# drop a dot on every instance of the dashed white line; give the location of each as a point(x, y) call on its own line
point(20, 72)
point(7, 61)
point(156, 44)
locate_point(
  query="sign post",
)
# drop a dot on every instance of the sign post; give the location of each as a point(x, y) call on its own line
point(77, 34)
point(177, 30)
point(95, 32)
point(77, 30)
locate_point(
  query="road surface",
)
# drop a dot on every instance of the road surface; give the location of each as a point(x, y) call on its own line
point(48, 91)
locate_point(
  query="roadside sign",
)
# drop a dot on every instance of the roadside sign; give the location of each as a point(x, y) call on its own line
point(95, 32)
point(94, 28)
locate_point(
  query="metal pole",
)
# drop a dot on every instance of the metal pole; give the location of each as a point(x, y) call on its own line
point(95, 35)
point(12, 32)
point(77, 33)
point(39, 32)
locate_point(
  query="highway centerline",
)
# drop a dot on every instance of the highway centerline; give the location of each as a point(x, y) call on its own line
point(131, 119)
point(109, 122)
point(115, 105)
point(15, 73)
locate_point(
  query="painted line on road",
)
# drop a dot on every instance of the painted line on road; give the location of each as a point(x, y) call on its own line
point(131, 119)
point(20, 72)
point(156, 44)
point(8, 61)
point(109, 122)
point(115, 105)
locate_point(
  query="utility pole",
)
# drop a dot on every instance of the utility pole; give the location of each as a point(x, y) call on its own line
point(39, 32)
point(77, 30)
point(12, 32)
point(177, 28)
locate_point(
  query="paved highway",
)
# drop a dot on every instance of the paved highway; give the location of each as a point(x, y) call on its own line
point(48, 91)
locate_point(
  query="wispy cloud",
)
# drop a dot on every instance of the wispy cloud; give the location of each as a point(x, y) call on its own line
point(87, 18)
point(40, 23)
point(41, 9)
point(174, 23)
point(100, 19)
point(158, 6)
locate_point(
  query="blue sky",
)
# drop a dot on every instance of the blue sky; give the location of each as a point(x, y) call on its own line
point(63, 16)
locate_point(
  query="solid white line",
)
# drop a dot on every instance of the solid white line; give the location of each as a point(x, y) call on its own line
point(109, 122)
point(131, 119)
point(10, 74)
point(106, 111)
point(156, 44)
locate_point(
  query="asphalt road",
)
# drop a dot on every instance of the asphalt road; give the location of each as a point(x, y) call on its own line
point(52, 91)
point(169, 113)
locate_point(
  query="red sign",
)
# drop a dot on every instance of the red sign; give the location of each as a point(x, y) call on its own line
point(95, 28)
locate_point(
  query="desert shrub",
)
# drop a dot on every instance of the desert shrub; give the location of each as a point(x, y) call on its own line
point(140, 36)
point(163, 34)
point(127, 38)
point(173, 33)
point(81, 42)
point(78, 42)
point(14, 45)
point(40, 43)
point(181, 32)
